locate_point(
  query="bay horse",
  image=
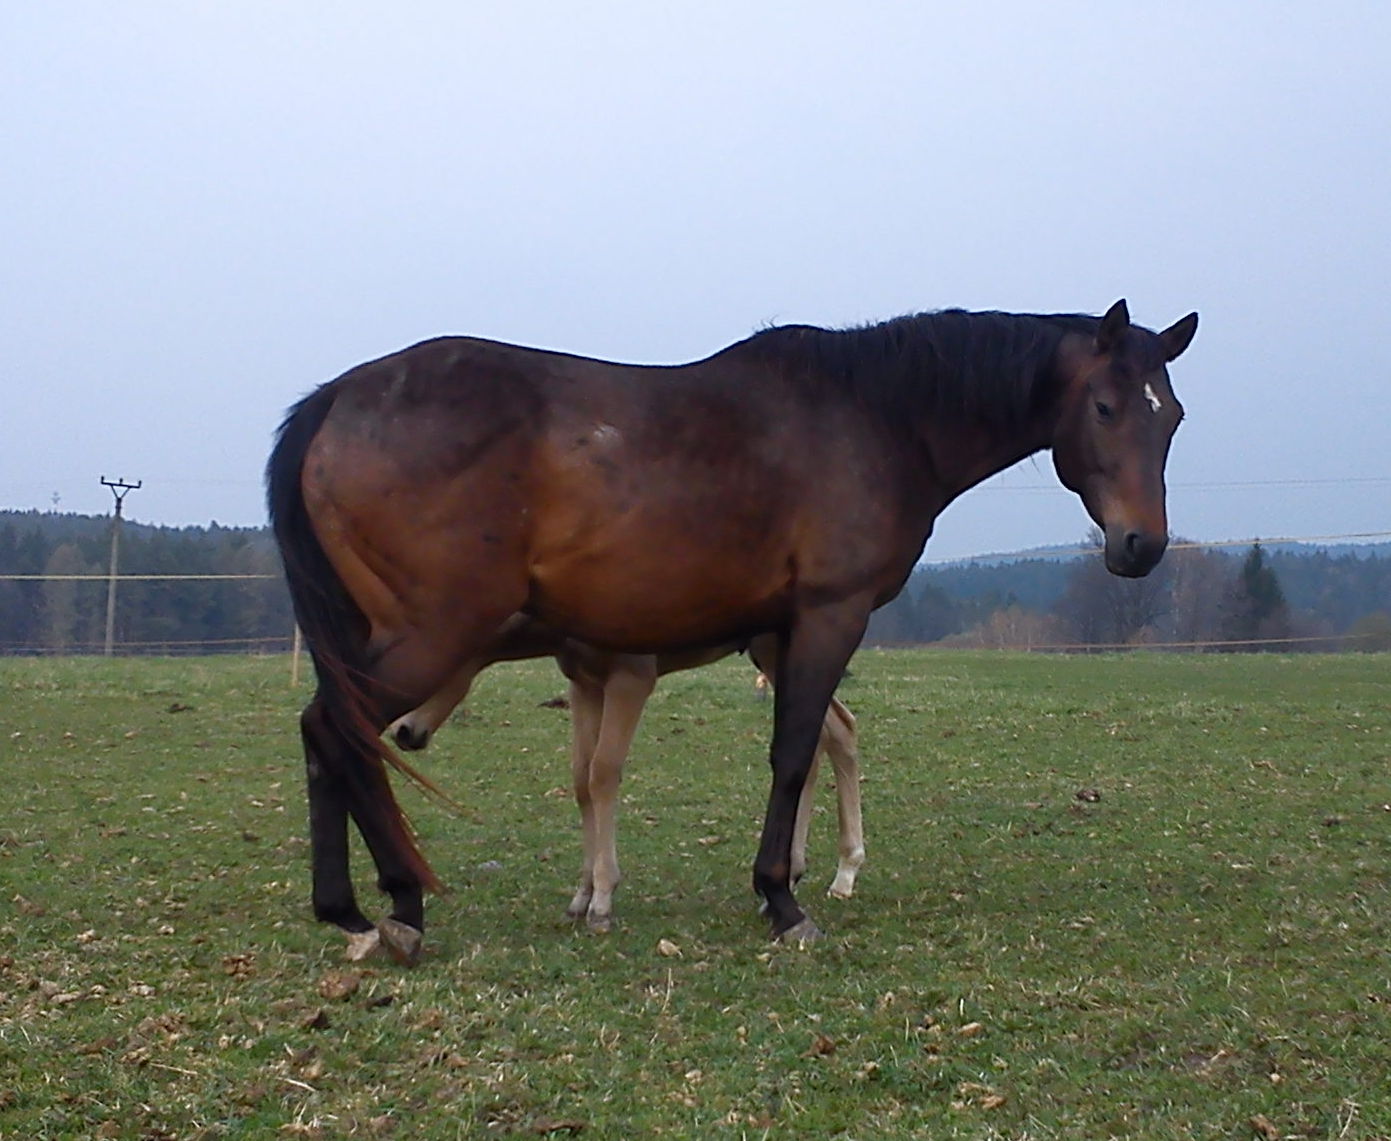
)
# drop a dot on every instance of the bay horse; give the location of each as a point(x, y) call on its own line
point(608, 691)
point(785, 486)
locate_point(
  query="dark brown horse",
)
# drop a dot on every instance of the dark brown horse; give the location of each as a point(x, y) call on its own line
point(785, 486)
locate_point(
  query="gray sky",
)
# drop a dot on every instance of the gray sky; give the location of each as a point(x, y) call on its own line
point(207, 209)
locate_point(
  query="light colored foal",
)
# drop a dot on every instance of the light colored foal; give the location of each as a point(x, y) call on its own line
point(607, 694)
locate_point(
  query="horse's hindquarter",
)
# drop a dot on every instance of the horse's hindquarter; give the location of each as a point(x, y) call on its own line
point(417, 484)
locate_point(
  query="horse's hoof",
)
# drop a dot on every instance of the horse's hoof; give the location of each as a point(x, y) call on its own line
point(599, 924)
point(410, 739)
point(362, 945)
point(401, 940)
point(800, 933)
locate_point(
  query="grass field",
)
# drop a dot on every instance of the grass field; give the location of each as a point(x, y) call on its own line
point(1196, 947)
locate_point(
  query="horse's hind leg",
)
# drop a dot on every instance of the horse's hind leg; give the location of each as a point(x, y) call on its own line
point(330, 805)
point(411, 668)
point(333, 898)
point(355, 780)
point(412, 731)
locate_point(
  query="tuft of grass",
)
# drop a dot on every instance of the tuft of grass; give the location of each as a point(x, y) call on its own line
point(1137, 896)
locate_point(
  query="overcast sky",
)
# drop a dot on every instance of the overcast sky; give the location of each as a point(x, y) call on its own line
point(209, 208)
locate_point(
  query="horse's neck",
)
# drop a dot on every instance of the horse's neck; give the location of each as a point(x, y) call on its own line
point(963, 456)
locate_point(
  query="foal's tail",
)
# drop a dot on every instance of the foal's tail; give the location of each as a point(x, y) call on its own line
point(336, 631)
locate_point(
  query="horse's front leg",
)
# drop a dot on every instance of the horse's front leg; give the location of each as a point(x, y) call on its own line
point(763, 652)
point(810, 665)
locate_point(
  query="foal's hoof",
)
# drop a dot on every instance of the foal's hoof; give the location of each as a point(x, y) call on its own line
point(401, 940)
point(800, 933)
point(362, 945)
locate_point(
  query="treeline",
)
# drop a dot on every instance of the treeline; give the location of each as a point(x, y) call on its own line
point(1286, 598)
point(68, 614)
point(1252, 599)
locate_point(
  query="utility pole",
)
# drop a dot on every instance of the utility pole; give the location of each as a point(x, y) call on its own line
point(120, 489)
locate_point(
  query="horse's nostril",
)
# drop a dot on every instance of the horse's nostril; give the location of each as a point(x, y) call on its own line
point(1133, 542)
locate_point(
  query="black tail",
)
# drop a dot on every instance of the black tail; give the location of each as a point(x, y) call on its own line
point(336, 631)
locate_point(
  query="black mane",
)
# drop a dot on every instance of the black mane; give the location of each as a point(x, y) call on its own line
point(953, 365)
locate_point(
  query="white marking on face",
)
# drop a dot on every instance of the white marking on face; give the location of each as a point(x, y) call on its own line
point(606, 434)
point(1155, 403)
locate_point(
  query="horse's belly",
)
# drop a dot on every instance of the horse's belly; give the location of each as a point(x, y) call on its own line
point(651, 604)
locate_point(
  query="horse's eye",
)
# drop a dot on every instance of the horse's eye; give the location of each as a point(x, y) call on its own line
point(1103, 410)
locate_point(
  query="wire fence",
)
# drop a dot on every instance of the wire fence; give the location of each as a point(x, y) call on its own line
point(288, 643)
point(1330, 643)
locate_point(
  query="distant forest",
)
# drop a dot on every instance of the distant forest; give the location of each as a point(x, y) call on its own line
point(1239, 599)
point(1287, 597)
point(69, 615)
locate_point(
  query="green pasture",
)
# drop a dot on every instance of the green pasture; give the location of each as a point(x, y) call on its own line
point(1138, 897)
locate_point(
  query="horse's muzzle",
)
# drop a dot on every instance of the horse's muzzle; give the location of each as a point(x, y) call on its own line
point(1133, 554)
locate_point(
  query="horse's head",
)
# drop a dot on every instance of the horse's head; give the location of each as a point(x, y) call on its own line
point(1118, 416)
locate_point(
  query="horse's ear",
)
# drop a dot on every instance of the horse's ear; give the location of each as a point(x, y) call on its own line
point(1113, 327)
point(1178, 336)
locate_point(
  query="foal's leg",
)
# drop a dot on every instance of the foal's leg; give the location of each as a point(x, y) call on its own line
point(813, 659)
point(805, 807)
point(838, 742)
point(626, 691)
point(586, 713)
